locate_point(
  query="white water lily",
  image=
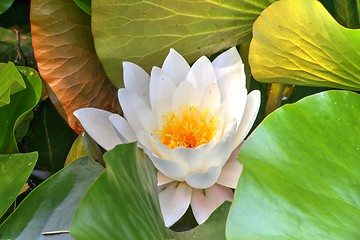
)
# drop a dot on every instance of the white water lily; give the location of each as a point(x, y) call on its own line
point(190, 121)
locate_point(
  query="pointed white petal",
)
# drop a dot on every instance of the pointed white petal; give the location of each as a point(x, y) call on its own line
point(234, 106)
point(203, 180)
point(248, 119)
point(96, 123)
point(186, 95)
point(232, 83)
point(162, 179)
point(122, 126)
point(193, 158)
point(210, 99)
point(174, 201)
point(230, 174)
point(176, 67)
point(228, 61)
point(131, 104)
point(162, 89)
point(205, 202)
point(201, 74)
point(136, 80)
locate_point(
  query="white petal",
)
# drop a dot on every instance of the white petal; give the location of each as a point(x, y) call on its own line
point(162, 89)
point(174, 201)
point(205, 202)
point(186, 95)
point(96, 123)
point(176, 67)
point(136, 80)
point(228, 61)
point(201, 74)
point(230, 174)
point(131, 104)
point(234, 106)
point(250, 113)
point(122, 126)
point(174, 170)
point(203, 180)
point(162, 179)
point(193, 158)
point(231, 83)
point(210, 99)
point(220, 153)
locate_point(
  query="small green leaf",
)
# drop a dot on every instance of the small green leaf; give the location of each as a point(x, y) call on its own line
point(85, 5)
point(5, 5)
point(305, 46)
point(20, 104)
point(51, 205)
point(15, 171)
point(143, 31)
point(301, 173)
point(84, 146)
point(11, 82)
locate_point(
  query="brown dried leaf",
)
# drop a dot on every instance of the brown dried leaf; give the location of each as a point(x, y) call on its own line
point(67, 61)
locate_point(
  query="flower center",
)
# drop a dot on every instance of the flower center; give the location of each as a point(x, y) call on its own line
point(189, 130)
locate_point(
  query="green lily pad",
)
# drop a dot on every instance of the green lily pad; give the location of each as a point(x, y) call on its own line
point(85, 5)
point(299, 42)
point(143, 31)
point(126, 193)
point(50, 206)
point(15, 171)
point(20, 104)
point(5, 5)
point(301, 173)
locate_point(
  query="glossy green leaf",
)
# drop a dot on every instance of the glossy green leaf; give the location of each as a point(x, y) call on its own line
point(5, 5)
point(20, 104)
point(15, 171)
point(50, 135)
point(143, 31)
point(85, 5)
point(304, 46)
point(301, 172)
point(11, 82)
point(51, 205)
point(128, 189)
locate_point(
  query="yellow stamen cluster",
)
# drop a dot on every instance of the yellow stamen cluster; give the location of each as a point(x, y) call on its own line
point(189, 130)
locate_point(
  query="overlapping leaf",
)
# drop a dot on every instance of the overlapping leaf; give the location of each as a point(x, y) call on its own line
point(21, 103)
point(66, 58)
point(127, 194)
point(11, 82)
point(299, 42)
point(301, 173)
point(143, 31)
point(51, 205)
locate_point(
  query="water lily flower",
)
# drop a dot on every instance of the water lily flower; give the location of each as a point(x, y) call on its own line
point(190, 121)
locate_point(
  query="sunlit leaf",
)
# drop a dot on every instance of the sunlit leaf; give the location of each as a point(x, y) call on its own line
point(51, 205)
point(15, 171)
point(67, 61)
point(20, 104)
point(301, 173)
point(128, 189)
point(11, 82)
point(143, 31)
point(304, 46)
